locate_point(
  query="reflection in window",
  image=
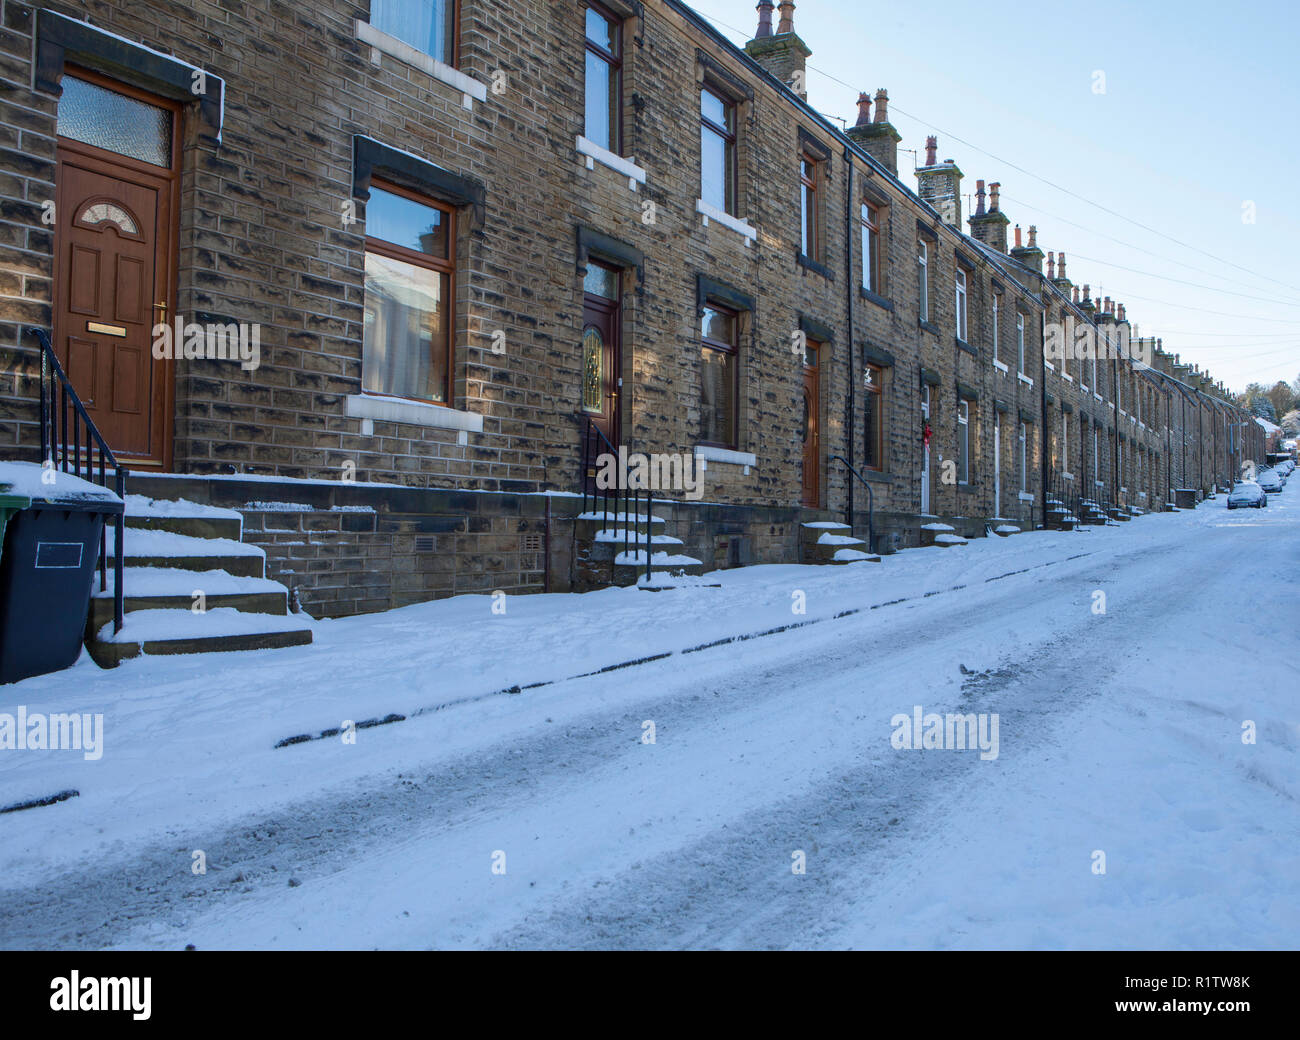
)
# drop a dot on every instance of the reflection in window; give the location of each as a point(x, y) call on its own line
point(406, 346)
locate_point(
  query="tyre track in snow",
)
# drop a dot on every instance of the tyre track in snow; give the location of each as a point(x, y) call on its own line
point(735, 888)
point(99, 904)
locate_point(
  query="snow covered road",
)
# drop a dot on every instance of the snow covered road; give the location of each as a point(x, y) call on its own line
point(1119, 733)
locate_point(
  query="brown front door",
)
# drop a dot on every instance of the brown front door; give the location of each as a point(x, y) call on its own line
point(600, 350)
point(114, 280)
point(812, 441)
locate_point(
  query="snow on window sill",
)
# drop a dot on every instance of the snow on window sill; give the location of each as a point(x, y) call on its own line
point(596, 154)
point(1025, 496)
point(704, 454)
point(471, 90)
point(740, 227)
point(1024, 379)
point(1097, 396)
point(369, 407)
point(1000, 366)
point(1050, 367)
point(1066, 375)
point(1067, 476)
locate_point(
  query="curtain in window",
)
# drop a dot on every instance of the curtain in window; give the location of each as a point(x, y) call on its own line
point(425, 24)
point(404, 350)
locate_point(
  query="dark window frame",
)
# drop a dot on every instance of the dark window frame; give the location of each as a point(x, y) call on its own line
point(811, 222)
point(614, 59)
point(730, 139)
point(454, 61)
point(447, 266)
point(875, 389)
point(733, 351)
point(872, 221)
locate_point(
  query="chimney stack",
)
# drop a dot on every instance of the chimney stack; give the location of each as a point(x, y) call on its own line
point(990, 226)
point(782, 54)
point(1062, 282)
point(877, 137)
point(1031, 256)
point(940, 184)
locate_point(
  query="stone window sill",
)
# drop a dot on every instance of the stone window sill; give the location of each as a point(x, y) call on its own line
point(471, 90)
point(1004, 369)
point(740, 227)
point(963, 345)
point(369, 407)
point(875, 298)
point(706, 453)
point(933, 330)
point(1024, 379)
point(596, 154)
point(809, 264)
point(1025, 496)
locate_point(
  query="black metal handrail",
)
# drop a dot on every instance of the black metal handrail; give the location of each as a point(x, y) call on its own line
point(61, 408)
point(623, 500)
point(871, 502)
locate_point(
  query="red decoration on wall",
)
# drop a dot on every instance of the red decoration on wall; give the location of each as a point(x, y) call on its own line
point(926, 433)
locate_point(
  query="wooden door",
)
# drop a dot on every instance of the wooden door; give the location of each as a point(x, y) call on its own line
point(114, 280)
point(601, 384)
point(812, 450)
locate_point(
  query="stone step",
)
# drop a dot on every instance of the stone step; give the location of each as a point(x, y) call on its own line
point(843, 557)
point(182, 517)
point(150, 548)
point(588, 525)
point(169, 632)
point(161, 588)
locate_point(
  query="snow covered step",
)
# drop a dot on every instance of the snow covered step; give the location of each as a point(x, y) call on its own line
point(183, 517)
point(846, 556)
point(1006, 530)
point(948, 541)
point(588, 525)
point(168, 588)
point(616, 536)
point(146, 548)
point(167, 632)
point(629, 567)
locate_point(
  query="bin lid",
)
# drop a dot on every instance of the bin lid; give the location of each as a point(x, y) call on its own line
point(26, 483)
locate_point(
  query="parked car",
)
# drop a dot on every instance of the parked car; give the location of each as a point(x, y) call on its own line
point(1247, 496)
point(1269, 481)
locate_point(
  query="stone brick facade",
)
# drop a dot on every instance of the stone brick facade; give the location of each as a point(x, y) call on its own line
point(272, 231)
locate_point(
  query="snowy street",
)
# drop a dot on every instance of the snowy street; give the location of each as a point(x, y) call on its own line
point(766, 806)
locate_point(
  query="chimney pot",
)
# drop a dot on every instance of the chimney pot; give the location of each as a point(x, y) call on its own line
point(764, 20)
point(931, 150)
point(882, 106)
point(1060, 266)
point(979, 198)
point(1033, 236)
point(1017, 236)
point(787, 17)
point(994, 189)
point(864, 109)
point(1051, 266)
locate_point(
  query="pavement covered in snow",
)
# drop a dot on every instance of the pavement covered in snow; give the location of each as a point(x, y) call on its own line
point(519, 801)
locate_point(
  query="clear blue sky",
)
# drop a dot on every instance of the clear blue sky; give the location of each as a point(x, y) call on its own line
point(1198, 118)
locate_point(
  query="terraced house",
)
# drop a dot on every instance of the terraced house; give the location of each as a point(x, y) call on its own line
point(388, 277)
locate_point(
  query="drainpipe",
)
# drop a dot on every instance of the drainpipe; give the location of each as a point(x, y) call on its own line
point(849, 345)
point(1042, 414)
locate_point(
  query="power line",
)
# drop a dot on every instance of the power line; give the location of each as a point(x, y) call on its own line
point(1130, 245)
point(1183, 281)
